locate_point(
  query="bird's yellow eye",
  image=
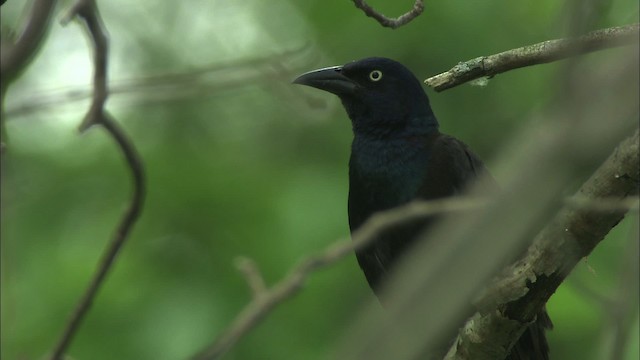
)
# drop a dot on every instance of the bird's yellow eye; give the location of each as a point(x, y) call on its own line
point(375, 75)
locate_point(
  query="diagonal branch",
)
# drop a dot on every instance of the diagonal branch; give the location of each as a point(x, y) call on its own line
point(511, 303)
point(394, 23)
point(540, 53)
point(87, 10)
point(293, 282)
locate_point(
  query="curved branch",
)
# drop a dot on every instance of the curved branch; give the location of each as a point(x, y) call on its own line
point(511, 303)
point(540, 53)
point(17, 55)
point(394, 23)
point(87, 10)
point(117, 241)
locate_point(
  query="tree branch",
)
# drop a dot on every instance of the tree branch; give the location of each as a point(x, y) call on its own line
point(540, 53)
point(16, 56)
point(252, 274)
point(511, 303)
point(293, 282)
point(87, 10)
point(394, 23)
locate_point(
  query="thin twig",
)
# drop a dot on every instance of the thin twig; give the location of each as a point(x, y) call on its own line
point(204, 81)
point(293, 282)
point(252, 274)
point(87, 10)
point(394, 23)
point(117, 241)
point(540, 53)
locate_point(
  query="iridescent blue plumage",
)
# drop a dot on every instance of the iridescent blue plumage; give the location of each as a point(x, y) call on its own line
point(398, 155)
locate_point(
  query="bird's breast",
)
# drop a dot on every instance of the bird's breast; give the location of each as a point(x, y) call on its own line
point(383, 174)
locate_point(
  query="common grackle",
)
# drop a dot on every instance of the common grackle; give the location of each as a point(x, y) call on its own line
point(398, 155)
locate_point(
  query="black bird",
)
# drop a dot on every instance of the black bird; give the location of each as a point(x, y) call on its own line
point(398, 155)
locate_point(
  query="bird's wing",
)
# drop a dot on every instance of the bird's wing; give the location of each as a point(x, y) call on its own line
point(452, 167)
point(458, 167)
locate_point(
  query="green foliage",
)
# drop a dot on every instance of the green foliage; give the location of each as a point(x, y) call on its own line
point(239, 163)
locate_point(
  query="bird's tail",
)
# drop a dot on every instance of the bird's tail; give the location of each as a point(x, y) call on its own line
point(533, 343)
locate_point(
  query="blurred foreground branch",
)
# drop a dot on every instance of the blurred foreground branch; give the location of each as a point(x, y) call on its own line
point(87, 11)
point(540, 53)
point(16, 55)
point(206, 81)
point(394, 23)
point(511, 303)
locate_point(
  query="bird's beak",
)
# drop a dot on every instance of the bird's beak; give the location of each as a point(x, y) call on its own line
point(328, 79)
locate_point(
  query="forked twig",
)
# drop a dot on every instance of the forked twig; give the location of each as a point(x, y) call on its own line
point(394, 23)
point(87, 11)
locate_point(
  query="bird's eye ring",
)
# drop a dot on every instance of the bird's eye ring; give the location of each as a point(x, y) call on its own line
point(375, 75)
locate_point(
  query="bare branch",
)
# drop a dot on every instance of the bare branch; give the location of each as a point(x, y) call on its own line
point(252, 274)
point(292, 283)
point(87, 10)
point(394, 23)
point(205, 81)
point(511, 303)
point(16, 56)
point(117, 241)
point(540, 53)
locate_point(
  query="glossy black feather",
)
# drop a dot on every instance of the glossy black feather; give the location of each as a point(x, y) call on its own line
point(399, 155)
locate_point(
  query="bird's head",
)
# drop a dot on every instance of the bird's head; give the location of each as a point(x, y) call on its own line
point(379, 94)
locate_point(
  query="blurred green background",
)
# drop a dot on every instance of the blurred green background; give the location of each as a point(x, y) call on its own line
point(241, 163)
